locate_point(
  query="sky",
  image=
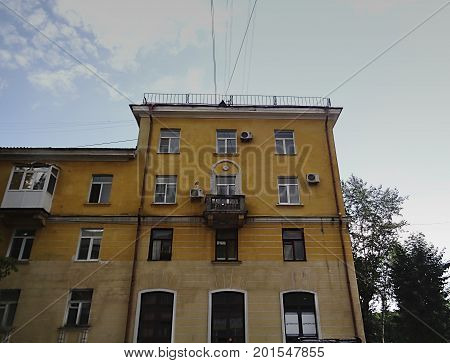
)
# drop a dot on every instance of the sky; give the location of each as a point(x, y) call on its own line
point(394, 129)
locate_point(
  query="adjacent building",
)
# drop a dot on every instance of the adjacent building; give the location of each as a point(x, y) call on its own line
point(225, 224)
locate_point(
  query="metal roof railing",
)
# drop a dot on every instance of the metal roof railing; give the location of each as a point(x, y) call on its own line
point(234, 100)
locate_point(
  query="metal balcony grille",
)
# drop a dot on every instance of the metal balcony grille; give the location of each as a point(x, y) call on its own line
point(234, 100)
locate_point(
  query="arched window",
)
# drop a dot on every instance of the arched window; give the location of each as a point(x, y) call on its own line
point(227, 317)
point(299, 316)
point(156, 310)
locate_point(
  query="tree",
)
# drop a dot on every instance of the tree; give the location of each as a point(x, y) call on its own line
point(419, 283)
point(374, 224)
point(6, 266)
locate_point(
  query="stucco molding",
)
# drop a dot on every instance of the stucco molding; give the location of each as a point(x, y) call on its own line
point(70, 154)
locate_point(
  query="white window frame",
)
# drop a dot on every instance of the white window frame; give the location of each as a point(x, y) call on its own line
point(288, 195)
point(316, 303)
point(22, 247)
point(91, 243)
point(138, 312)
point(6, 304)
point(101, 188)
point(170, 138)
point(227, 185)
point(79, 303)
point(283, 139)
point(48, 170)
point(165, 189)
point(210, 294)
point(226, 142)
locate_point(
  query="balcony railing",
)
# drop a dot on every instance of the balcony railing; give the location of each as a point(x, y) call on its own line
point(234, 100)
point(225, 211)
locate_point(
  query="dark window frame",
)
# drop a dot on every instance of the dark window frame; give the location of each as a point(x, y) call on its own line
point(236, 245)
point(152, 238)
point(161, 311)
point(291, 242)
point(226, 309)
point(299, 310)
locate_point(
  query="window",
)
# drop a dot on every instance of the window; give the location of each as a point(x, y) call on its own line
point(52, 181)
point(161, 245)
point(21, 244)
point(89, 246)
point(226, 184)
point(226, 245)
point(227, 317)
point(166, 189)
point(169, 141)
point(293, 244)
point(79, 307)
point(8, 306)
point(226, 142)
point(299, 316)
point(156, 313)
point(284, 142)
point(288, 190)
point(28, 178)
point(100, 189)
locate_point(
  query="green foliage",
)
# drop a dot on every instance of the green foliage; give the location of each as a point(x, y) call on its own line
point(6, 266)
point(419, 276)
point(375, 226)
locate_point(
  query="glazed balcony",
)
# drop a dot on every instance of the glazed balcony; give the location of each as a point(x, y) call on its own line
point(29, 195)
point(225, 211)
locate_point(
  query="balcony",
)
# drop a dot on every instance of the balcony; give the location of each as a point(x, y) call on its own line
point(28, 198)
point(225, 211)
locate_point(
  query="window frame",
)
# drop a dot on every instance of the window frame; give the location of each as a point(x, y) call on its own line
point(283, 139)
point(226, 142)
point(79, 309)
point(91, 243)
point(302, 230)
point(170, 138)
point(138, 312)
point(7, 305)
point(150, 251)
point(49, 171)
point(165, 189)
point(288, 195)
point(101, 188)
point(210, 310)
point(316, 312)
point(23, 244)
point(226, 185)
point(226, 259)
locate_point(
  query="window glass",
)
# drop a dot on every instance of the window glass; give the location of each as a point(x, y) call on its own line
point(16, 180)
point(89, 245)
point(155, 317)
point(161, 244)
point(169, 141)
point(100, 189)
point(166, 189)
point(21, 244)
point(288, 192)
point(293, 244)
point(299, 316)
point(228, 317)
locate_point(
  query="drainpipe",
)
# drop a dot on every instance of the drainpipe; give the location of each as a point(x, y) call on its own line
point(341, 235)
point(129, 331)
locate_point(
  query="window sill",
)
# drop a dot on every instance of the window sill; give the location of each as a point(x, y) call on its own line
point(237, 262)
point(159, 152)
point(156, 203)
point(87, 261)
point(286, 154)
point(75, 327)
point(226, 154)
point(289, 205)
point(294, 260)
point(97, 204)
point(22, 262)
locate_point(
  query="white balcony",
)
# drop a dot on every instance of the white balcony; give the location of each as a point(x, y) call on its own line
point(30, 187)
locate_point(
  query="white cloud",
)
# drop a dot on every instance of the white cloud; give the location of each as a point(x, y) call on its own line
point(130, 28)
point(59, 81)
point(192, 82)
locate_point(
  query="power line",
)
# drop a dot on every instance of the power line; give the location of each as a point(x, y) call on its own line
point(213, 36)
point(95, 74)
point(106, 143)
point(242, 44)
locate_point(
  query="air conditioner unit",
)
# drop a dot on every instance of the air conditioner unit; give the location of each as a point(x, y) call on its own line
point(246, 136)
point(196, 193)
point(312, 178)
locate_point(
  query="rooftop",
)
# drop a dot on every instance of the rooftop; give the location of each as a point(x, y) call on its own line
point(205, 99)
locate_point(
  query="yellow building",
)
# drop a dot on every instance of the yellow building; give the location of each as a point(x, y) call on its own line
point(225, 224)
